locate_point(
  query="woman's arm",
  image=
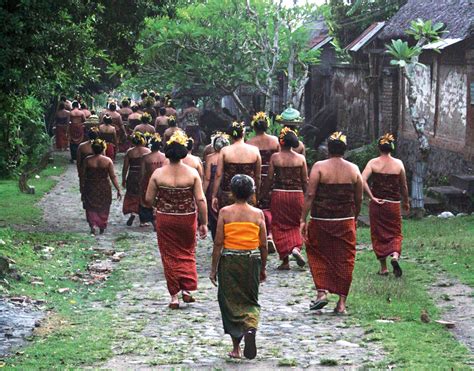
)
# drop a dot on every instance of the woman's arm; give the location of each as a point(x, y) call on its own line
point(258, 175)
point(125, 170)
point(113, 177)
point(218, 246)
point(304, 175)
point(365, 179)
point(207, 177)
point(151, 191)
point(263, 247)
point(202, 206)
point(404, 190)
point(217, 181)
point(309, 198)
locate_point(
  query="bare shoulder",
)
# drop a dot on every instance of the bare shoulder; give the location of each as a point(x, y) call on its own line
point(354, 167)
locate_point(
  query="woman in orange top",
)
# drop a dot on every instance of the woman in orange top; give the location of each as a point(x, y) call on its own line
point(240, 250)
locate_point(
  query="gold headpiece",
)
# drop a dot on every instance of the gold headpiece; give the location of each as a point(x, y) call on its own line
point(100, 142)
point(260, 116)
point(156, 138)
point(337, 135)
point(283, 133)
point(139, 138)
point(178, 137)
point(237, 125)
point(387, 139)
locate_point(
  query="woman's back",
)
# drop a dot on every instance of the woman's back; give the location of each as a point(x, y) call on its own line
point(386, 165)
point(265, 142)
point(240, 153)
point(175, 176)
point(287, 159)
point(337, 171)
point(241, 213)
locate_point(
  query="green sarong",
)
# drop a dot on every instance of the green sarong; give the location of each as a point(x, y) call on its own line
point(239, 279)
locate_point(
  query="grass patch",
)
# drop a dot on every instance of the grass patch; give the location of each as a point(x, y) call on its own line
point(328, 362)
point(20, 208)
point(76, 333)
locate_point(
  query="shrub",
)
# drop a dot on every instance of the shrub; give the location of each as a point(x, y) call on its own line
point(360, 156)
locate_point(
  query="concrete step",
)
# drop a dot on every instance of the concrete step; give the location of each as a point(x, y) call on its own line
point(455, 200)
point(434, 206)
point(464, 182)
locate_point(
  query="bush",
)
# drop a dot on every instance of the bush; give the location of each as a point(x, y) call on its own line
point(23, 136)
point(360, 156)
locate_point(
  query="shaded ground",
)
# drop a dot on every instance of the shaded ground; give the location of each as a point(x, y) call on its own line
point(149, 334)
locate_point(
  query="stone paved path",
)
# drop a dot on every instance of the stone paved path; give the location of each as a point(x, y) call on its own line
point(149, 335)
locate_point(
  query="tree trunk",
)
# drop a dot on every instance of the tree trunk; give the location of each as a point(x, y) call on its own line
point(239, 104)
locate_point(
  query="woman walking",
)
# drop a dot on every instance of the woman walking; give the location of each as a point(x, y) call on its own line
point(132, 165)
point(388, 186)
point(176, 190)
point(108, 134)
point(150, 162)
point(218, 141)
point(239, 265)
point(287, 179)
point(238, 158)
point(97, 193)
point(61, 122)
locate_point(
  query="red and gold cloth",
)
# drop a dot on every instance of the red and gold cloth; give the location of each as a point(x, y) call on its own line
point(286, 208)
point(386, 228)
point(76, 133)
point(109, 138)
point(331, 254)
point(230, 170)
point(97, 196)
point(131, 201)
point(176, 226)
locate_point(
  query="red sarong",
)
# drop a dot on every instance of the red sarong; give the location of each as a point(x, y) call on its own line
point(286, 207)
point(97, 218)
point(131, 204)
point(110, 151)
point(61, 137)
point(331, 254)
point(386, 228)
point(177, 243)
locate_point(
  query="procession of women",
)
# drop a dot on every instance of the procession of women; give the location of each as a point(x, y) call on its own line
point(248, 190)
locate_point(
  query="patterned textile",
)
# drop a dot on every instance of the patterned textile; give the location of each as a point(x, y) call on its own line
point(211, 214)
point(61, 136)
point(131, 202)
point(288, 178)
point(386, 186)
point(133, 123)
point(97, 219)
point(237, 293)
point(80, 164)
point(150, 168)
point(177, 243)
point(230, 169)
point(286, 208)
point(385, 228)
point(96, 196)
point(118, 129)
point(76, 133)
point(175, 200)
point(331, 254)
point(333, 201)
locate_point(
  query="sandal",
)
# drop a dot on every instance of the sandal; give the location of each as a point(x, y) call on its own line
point(397, 270)
point(271, 246)
point(250, 348)
point(318, 304)
point(130, 220)
point(299, 259)
point(386, 273)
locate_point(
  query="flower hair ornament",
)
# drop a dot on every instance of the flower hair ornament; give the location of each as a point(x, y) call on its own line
point(218, 134)
point(283, 133)
point(139, 138)
point(337, 135)
point(237, 125)
point(155, 138)
point(100, 142)
point(387, 139)
point(178, 137)
point(172, 118)
point(260, 116)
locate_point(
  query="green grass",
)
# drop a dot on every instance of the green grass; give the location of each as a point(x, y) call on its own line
point(18, 208)
point(431, 246)
point(76, 333)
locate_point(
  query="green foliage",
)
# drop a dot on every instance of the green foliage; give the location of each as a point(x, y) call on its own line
point(420, 29)
point(348, 21)
point(402, 53)
point(23, 135)
point(361, 157)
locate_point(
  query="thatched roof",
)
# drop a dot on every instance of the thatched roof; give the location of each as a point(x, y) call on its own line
point(457, 15)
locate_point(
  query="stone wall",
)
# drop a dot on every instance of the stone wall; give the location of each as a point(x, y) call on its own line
point(349, 87)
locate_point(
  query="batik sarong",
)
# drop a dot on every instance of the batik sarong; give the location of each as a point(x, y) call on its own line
point(230, 170)
point(331, 249)
point(239, 279)
point(111, 150)
point(286, 208)
point(61, 136)
point(131, 201)
point(176, 226)
point(97, 196)
point(211, 214)
point(385, 219)
point(146, 213)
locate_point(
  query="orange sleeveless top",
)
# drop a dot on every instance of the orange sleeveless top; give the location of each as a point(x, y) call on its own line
point(241, 236)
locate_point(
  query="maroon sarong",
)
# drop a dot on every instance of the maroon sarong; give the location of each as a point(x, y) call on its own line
point(97, 196)
point(385, 228)
point(61, 137)
point(176, 225)
point(286, 207)
point(331, 254)
point(131, 201)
